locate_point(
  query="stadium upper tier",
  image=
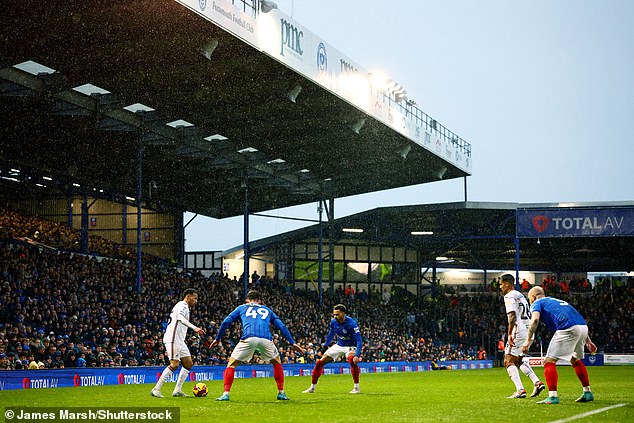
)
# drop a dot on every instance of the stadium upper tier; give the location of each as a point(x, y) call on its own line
point(219, 96)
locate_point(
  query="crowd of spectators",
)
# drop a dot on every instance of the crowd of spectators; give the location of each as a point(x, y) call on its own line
point(57, 235)
point(61, 310)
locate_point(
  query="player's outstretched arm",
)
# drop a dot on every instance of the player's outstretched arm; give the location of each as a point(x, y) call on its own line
point(532, 327)
point(181, 318)
point(329, 337)
point(590, 345)
point(512, 325)
point(298, 348)
point(223, 327)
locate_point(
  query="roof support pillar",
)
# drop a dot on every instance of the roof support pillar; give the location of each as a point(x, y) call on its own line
point(517, 263)
point(180, 233)
point(419, 281)
point(245, 186)
point(331, 239)
point(139, 193)
point(434, 285)
point(69, 207)
point(320, 209)
point(124, 222)
point(83, 241)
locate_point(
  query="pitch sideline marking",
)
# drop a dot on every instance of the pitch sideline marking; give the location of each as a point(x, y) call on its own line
point(589, 413)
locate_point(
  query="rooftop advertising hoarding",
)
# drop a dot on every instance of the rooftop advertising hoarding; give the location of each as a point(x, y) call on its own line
point(289, 42)
point(575, 222)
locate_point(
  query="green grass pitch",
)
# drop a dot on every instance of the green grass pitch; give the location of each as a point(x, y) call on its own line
point(443, 396)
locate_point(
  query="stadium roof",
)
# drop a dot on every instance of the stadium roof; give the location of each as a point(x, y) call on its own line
point(82, 83)
point(477, 235)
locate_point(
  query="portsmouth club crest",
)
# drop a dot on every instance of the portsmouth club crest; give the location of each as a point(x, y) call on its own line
point(202, 4)
point(322, 58)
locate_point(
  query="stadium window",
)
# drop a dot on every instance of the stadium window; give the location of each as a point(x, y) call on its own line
point(363, 253)
point(350, 253)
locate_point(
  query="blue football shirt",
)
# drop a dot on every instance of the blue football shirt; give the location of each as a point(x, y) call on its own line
point(348, 334)
point(256, 321)
point(557, 314)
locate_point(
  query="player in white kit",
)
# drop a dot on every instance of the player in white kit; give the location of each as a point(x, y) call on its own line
point(519, 317)
point(175, 347)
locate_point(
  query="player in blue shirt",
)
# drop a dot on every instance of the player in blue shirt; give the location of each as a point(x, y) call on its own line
point(256, 319)
point(349, 343)
point(571, 335)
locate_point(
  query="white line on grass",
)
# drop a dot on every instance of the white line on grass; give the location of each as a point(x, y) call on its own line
point(589, 413)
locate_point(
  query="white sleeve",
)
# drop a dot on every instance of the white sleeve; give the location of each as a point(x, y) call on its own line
point(509, 304)
point(181, 318)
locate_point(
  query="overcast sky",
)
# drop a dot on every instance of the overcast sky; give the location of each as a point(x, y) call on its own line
point(543, 91)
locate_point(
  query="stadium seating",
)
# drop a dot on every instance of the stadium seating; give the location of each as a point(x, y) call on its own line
point(60, 309)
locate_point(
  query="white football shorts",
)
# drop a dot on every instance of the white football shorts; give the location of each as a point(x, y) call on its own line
point(516, 349)
point(568, 343)
point(247, 347)
point(176, 350)
point(336, 351)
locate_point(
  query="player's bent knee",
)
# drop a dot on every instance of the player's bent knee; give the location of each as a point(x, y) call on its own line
point(233, 363)
point(325, 360)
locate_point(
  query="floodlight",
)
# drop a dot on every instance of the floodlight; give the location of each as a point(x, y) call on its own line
point(34, 68)
point(180, 123)
point(404, 151)
point(356, 126)
point(276, 161)
point(443, 259)
point(441, 172)
point(267, 5)
point(138, 108)
point(216, 137)
point(292, 94)
point(208, 49)
point(91, 90)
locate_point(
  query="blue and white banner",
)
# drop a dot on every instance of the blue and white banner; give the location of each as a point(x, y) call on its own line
point(31, 379)
point(571, 222)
